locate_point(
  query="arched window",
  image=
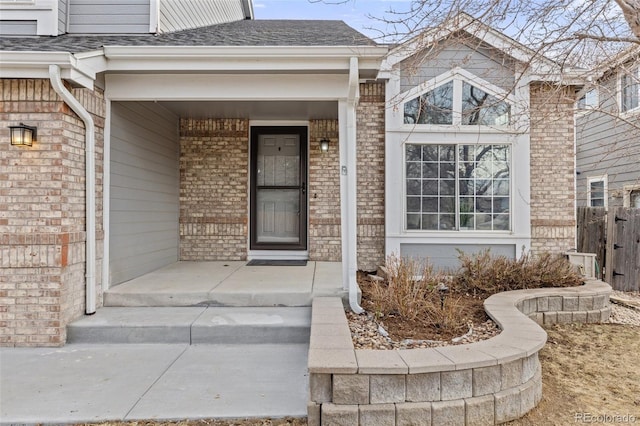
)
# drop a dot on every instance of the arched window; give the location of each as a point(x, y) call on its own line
point(457, 101)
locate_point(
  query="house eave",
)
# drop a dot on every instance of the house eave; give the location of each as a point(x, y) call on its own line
point(305, 59)
point(21, 64)
point(540, 68)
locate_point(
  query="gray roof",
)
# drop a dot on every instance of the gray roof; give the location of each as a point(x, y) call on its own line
point(239, 33)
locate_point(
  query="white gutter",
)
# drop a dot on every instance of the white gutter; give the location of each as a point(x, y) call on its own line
point(90, 170)
point(23, 64)
point(351, 187)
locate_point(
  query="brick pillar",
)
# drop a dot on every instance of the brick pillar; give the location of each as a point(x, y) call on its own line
point(371, 138)
point(324, 193)
point(553, 224)
point(214, 165)
point(42, 213)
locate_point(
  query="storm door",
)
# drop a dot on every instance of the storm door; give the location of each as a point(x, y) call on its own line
point(278, 188)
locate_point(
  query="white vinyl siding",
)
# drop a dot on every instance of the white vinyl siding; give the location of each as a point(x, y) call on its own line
point(176, 15)
point(144, 197)
point(109, 17)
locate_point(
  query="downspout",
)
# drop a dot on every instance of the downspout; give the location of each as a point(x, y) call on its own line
point(90, 196)
point(352, 178)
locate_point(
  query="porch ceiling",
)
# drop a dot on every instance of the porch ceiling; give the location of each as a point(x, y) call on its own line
point(257, 110)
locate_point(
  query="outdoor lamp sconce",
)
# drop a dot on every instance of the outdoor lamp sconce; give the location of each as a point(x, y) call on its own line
point(23, 135)
point(324, 145)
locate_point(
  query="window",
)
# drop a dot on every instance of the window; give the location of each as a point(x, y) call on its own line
point(597, 191)
point(434, 107)
point(631, 196)
point(629, 90)
point(458, 187)
point(588, 101)
point(480, 108)
point(634, 198)
point(457, 102)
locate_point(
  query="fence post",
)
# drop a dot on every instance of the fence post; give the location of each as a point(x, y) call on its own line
point(609, 241)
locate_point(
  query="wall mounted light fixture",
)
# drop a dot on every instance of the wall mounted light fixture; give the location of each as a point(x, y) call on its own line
point(23, 135)
point(324, 145)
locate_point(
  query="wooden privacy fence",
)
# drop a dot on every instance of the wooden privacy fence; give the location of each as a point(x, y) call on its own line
point(614, 236)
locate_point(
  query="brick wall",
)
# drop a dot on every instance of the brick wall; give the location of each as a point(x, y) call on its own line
point(553, 222)
point(214, 164)
point(371, 137)
point(324, 193)
point(42, 213)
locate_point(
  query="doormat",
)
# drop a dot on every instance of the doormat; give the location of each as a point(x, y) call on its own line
point(264, 262)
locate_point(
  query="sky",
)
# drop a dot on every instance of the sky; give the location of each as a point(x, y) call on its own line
point(354, 12)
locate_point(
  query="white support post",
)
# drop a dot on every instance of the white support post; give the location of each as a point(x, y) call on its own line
point(348, 186)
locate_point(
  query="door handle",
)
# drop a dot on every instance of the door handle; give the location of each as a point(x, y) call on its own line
point(304, 187)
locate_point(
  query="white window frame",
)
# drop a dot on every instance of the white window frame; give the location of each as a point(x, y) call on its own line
point(626, 197)
point(594, 179)
point(588, 106)
point(458, 76)
point(456, 195)
point(633, 70)
point(43, 12)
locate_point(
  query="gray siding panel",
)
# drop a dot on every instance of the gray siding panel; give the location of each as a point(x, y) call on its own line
point(144, 190)
point(109, 17)
point(607, 144)
point(176, 15)
point(23, 28)
point(486, 63)
point(445, 256)
point(62, 16)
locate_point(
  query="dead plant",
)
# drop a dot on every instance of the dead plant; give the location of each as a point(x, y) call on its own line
point(482, 274)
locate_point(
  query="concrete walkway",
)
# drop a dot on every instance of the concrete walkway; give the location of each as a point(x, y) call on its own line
point(98, 382)
point(170, 354)
point(229, 284)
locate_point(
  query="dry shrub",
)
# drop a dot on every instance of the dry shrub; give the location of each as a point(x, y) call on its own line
point(447, 314)
point(410, 285)
point(409, 297)
point(483, 274)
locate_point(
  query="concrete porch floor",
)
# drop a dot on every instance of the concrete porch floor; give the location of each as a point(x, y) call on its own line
point(229, 283)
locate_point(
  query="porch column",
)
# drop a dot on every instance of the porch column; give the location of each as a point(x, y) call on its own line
point(348, 184)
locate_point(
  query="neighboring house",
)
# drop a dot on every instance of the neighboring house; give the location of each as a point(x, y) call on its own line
point(269, 139)
point(608, 135)
point(57, 17)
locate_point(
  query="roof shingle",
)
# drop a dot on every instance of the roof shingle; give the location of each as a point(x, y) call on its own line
point(239, 33)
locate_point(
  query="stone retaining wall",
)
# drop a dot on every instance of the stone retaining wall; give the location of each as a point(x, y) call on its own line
point(488, 382)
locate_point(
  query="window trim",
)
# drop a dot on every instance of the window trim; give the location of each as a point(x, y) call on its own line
point(605, 180)
point(635, 69)
point(588, 107)
point(456, 231)
point(458, 76)
point(626, 194)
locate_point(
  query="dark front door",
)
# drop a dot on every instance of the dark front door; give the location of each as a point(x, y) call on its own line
point(278, 188)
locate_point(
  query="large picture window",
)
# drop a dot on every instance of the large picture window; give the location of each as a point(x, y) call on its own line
point(458, 187)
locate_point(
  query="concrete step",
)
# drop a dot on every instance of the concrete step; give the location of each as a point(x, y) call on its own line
point(193, 325)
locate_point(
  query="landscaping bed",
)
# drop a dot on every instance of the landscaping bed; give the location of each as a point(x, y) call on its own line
point(411, 305)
